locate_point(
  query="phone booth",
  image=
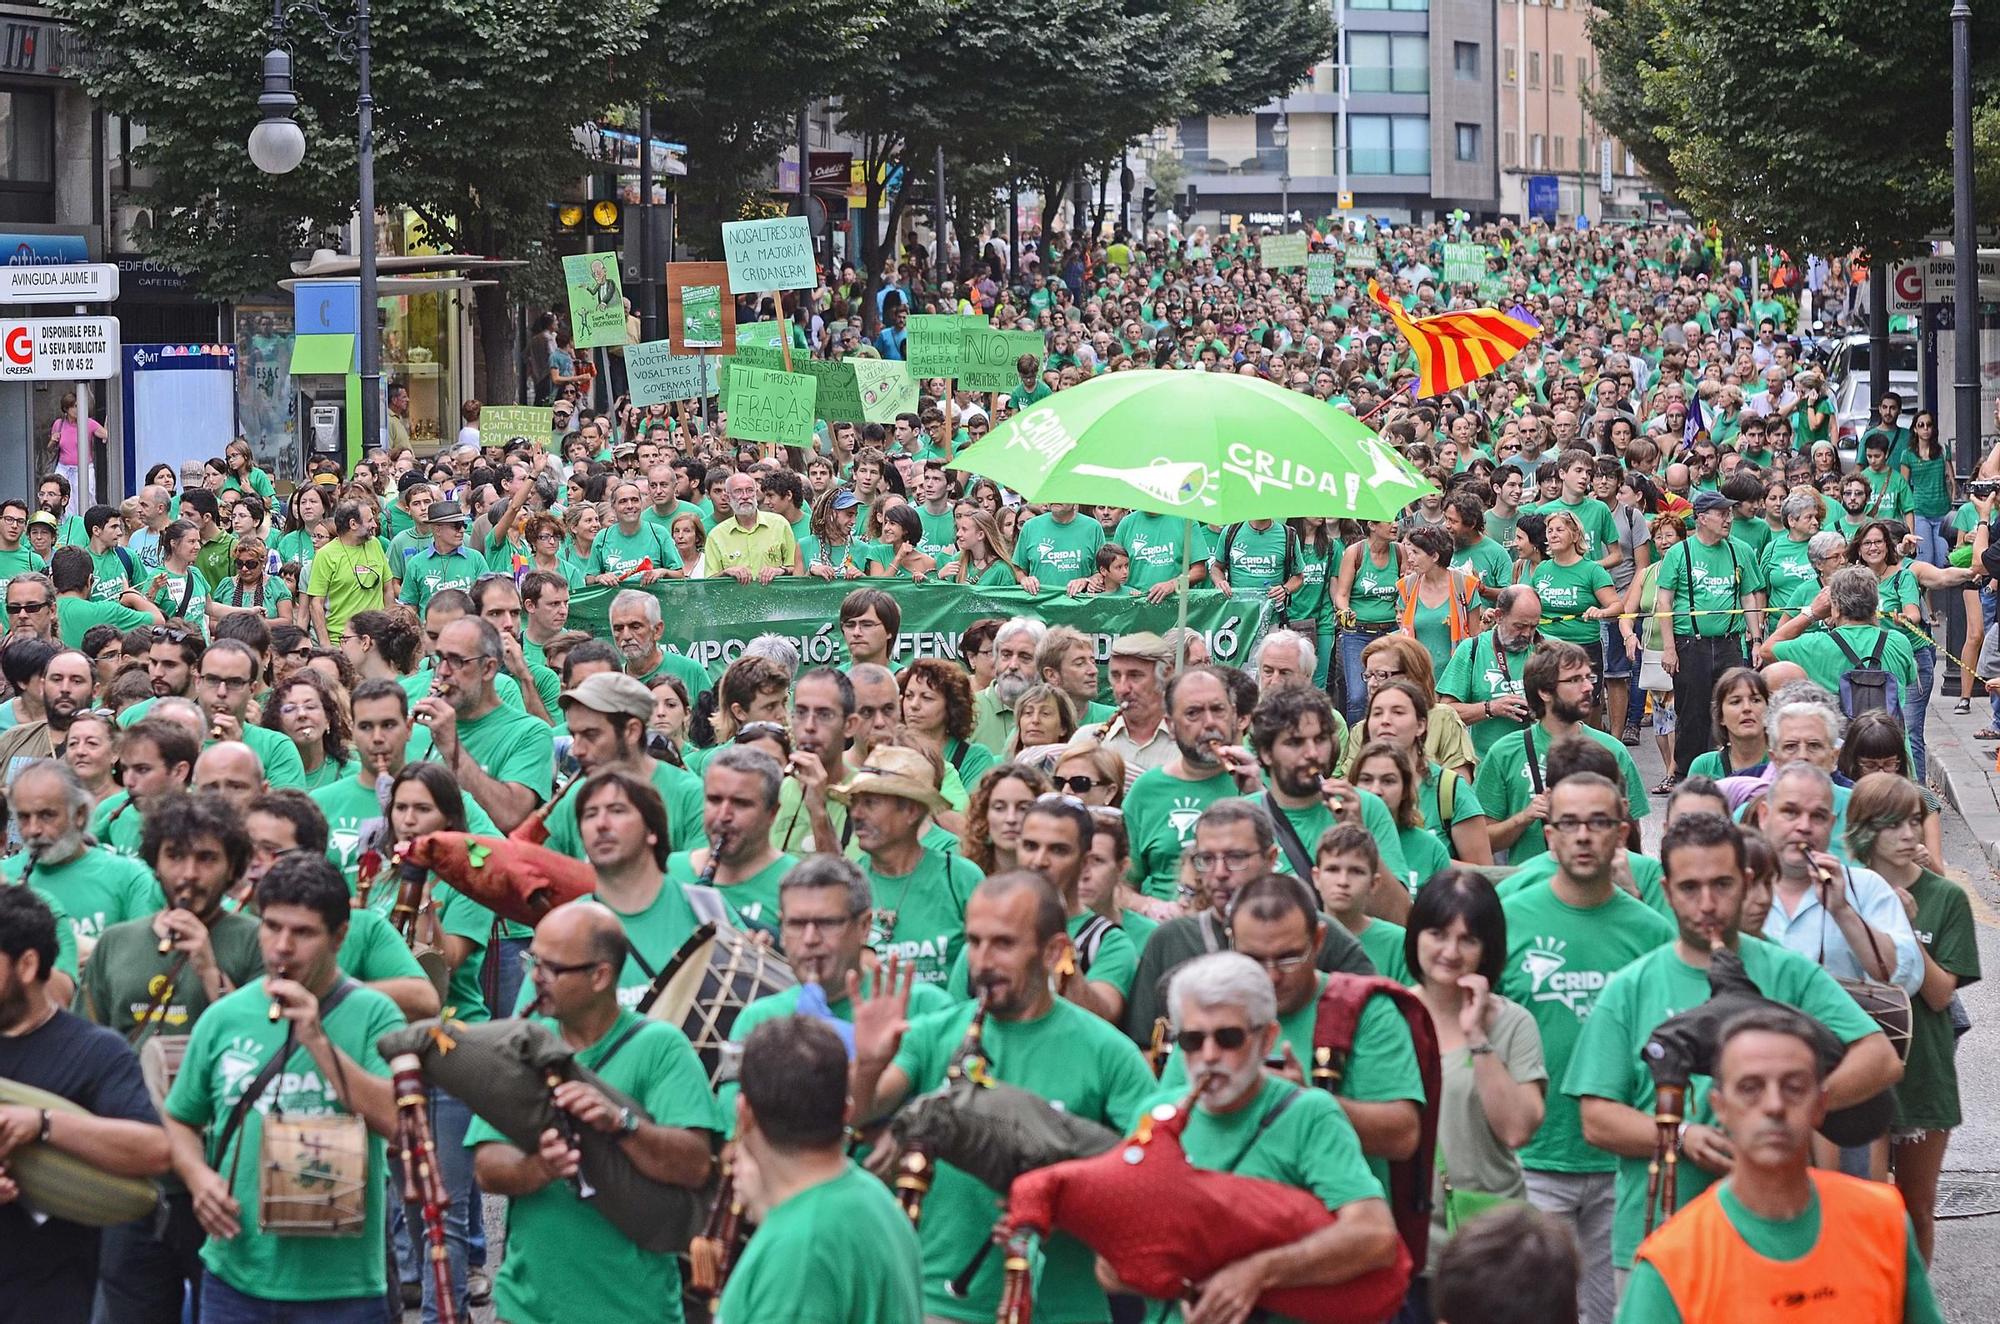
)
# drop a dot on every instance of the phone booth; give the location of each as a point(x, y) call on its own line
point(325, 369)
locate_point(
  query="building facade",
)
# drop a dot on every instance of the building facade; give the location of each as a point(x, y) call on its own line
point(1547, 68)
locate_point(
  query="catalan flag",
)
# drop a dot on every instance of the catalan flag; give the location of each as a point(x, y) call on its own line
point(1456, 349)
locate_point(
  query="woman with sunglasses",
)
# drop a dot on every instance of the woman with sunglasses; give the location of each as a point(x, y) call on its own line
point(1933, 477)
point(937, 706)
point(1090, 772)
point(1489, 1050)
point(252, 588)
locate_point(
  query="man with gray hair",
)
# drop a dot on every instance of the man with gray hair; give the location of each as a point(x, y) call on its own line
point(502, 757)
point(1139, 734)
point(1225, 1023)
point(740, 787)
point(1837, 635)
point(775, 648)
point(636, 628)
point(1482, 680)
point(97, 887)
point(1015, 646)
point(1284, 657)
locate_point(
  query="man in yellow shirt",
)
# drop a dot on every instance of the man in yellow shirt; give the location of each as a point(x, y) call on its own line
point(751, 546)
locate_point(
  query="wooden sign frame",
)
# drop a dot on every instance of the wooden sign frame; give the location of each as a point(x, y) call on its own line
point(680, 275)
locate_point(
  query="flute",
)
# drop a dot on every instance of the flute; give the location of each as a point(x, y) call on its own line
point(409, 899)
point(716, 846)
point(566, 1127)
point(277, 1008)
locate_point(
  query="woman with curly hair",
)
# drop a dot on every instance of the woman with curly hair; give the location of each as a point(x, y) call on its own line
point(937, 704)
point(543, 534)
point(994, 817)
point(305, 709)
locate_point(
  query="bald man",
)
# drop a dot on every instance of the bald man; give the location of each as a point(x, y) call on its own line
point(232, 770)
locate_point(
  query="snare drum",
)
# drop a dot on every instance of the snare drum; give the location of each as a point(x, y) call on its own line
point(313, 1177)
point(711, 979)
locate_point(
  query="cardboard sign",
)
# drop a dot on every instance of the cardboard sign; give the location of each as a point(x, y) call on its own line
point(1464, 264)
point(659, 376)
point(596, 300)
point(774, 254)
point(1363, 257)
point(1322, 274)
point(500, 424)
point(1283, 251)
point(967, 350)
point(838, 399)
point(936, 345)
point(690, 283)
point(887, 389)
point(770, 406)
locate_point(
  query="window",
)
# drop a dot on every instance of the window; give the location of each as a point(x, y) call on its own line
point(1389, 62)
point(1467, 136)
point(1534, 68)
point(1465, 60)
point(1556, 70)
point(1389, 144)
point(1559, 151)
point(1583, 71)
point(1194, 135)
point(1535, 147)
point(1507, 62)
point(27, 156)
point(1510, 144)
point(1271, 159)
point(1406, 6)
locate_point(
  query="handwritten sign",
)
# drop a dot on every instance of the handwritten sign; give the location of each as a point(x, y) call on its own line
point(838, 399)
point(887, 389)
point(500, 424)
point(936, 347)
point(659, 376)
point(1283, 251)
point(1322, 275)
point(1464, 264)
point(1363, 257)
point(596, 301)
point(770, 406)
point(690, 288)
point(774, 254)
point(965, 348)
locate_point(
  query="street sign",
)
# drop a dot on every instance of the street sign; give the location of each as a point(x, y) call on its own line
point(81, 282)
point(59, 349)
point(1906, 288)
point(1941, 277)
point(1346, 202)
point(1605, 183)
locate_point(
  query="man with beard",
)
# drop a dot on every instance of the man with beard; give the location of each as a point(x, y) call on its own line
point(824, 719)
point(1255, 1123)
point(1482, 679)
point(824, 915)
point(630, 548)
point(1234, 844)
point(50, 1265)
point(229, 675)
point(607, 714)
point(922, 890)
point(1776, 1229)
point(1015, 939)
point(51, 811)
point(637, 627)
point(1465, 521)
point(1067, 659)
point(624, 830)
point(739, 805)
point(1512, 783)
point(318, 1059)
point(752, 546)
point(1163, 804)
point(1704, 859)
point(1294, 734)
point(565, 1260)
point(67, 684)
point(196, 846)
point(156, 758)
point(1014, 650)
point(171, 661)
point(503, 759)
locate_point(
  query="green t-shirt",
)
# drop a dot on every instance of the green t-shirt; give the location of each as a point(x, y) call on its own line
point(1567, 592)
point(1721, 575)
point(566, 1261)
point(75, 617)
point(1752, 533)
point(1647, 1300)
point(1927, 1096)
point(924, 999)
point(231, 1043)
point(426, 573)
point(616, 552)
point(1788, 575)
point(1160, 813)
point(1560, 957)
point(855, 552)
point(1600, 530)
point(98, 888)
point(1506, 783)
point(940, 533)
point(1068, 1056)
point(405, 545)
point(126, 972)
point(1647, 876)
point(1311, 1146)
point(1372, 595)
point(1889, 496)
point(1825, 664)
point(1488, 560)
point(118, 824)
point(510, 746)
point(840, 1252)
point(1480, 670)
point(1381, 1067)
point(1315, 818)
point(679, 788)
point(1256, 559)
point(1155, 541)
point(283, 768)
point(350, 805)
point(373, 951)
point(1607, 1064)
point(350, 579)
point(1055, 552)
point(752, 902)
point(1383, 942)
point(920, 915)
point(109, 576)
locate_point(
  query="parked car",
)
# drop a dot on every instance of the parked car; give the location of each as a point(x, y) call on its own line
point(1849, 371)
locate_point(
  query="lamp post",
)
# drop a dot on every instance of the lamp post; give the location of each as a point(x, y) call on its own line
point(277, 146)
point(1964, 244)
point(1281, 136)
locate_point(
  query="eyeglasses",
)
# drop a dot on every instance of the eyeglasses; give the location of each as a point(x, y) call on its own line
point(1279, 965)
point(1596, 824)
point(1210, 861)
point(1083, 785)
point(458, 663)
point(535, 965)
point(27, 608)
point(803, 924)
point(1229, 1038)
point(226, 683)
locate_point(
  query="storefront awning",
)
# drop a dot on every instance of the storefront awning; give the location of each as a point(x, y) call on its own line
point(327, 354)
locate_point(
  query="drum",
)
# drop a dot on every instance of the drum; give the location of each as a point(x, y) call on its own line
point(62, 1185)
point(313, 1177)
point(159, 1063)
point(716, 974)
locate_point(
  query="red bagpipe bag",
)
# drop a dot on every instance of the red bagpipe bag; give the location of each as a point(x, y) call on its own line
point(516, 880)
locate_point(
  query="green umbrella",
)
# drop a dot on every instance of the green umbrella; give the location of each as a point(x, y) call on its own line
point(1206, 446)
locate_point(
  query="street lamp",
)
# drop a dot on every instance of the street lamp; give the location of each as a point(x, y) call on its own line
point(1281, 135)
point(278, 145)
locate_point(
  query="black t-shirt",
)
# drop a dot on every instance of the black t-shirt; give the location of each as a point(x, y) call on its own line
point(49, 1266)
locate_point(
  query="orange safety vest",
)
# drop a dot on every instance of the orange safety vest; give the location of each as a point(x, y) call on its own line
point(1854, 1274)
point(1462, 600)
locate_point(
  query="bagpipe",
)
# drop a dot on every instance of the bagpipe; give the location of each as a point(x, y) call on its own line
point(63, 1185)
point(423, 1180)
point(1685, 1046)
point(507, 1072)
point(1166, 1226)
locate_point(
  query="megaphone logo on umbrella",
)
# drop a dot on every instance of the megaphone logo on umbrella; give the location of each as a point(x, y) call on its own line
point(1178, 483)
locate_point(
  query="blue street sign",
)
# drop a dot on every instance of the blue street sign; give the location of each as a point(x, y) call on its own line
point(1542, 197)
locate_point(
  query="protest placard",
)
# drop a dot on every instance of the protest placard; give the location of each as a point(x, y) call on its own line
point(838, 399)
point(500, 424)
point(936, 347)
point(770, 406)
point(773, 254)
point(659, 376)
point(695, 291)
point(991, 357)
point(1283, 251)
point(887, 389)
point(596, 301)
point(1362, 257)
point(1322, 274)
point(1464, 264)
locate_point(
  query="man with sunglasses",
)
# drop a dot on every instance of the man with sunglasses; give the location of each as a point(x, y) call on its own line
point(739, 806)
point(349, 574)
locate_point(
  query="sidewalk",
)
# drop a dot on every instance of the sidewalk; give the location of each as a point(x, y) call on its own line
point(1962, 770)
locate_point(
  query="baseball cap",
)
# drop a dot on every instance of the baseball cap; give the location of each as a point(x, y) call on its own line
point(1706, 501)
point(845, 500)
point(612, 693)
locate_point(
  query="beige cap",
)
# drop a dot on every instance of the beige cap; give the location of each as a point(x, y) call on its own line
point(612, 693)
point(1144, 644)
point(892, 770)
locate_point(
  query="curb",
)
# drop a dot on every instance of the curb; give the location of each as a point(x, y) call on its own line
point(1968, 781)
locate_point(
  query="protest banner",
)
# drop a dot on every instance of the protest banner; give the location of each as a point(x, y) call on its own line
point(711, 620)
point(1464, 264)
point(991, 357)
point(838, 399)
point(1322, 275)
point(596, 302)
point(887, 389)
point(770, 406)
point(500, 424)
point(1281, 251)
point(774, 254)
point(1363, 257)
point(697, 291)
point(1494, 291)
point(936, 347)
point(659, 376)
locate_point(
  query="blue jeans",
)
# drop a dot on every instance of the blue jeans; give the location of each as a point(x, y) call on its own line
point(1989, 610)
point(1917, 706)
point(1354, 705)
point(1931, 546)
point(450, 1119)
point(223, 1304)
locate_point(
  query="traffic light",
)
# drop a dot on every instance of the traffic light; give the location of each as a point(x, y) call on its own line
point(568, 218)
point(607, 218)
point(1147, 198)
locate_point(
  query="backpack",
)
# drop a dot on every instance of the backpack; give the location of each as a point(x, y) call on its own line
point(1335, 1022)
point(1866, 686)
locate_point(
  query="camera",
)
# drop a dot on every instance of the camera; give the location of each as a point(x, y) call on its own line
point(1984, 487)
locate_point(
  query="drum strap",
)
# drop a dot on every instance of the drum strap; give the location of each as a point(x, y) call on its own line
point(262, 1080)
point(616, 1045)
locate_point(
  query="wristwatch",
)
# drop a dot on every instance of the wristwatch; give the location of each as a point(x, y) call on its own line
point(628, 1122)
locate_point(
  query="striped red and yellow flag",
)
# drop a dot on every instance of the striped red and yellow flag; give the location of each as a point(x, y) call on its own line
point(1456, 349)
